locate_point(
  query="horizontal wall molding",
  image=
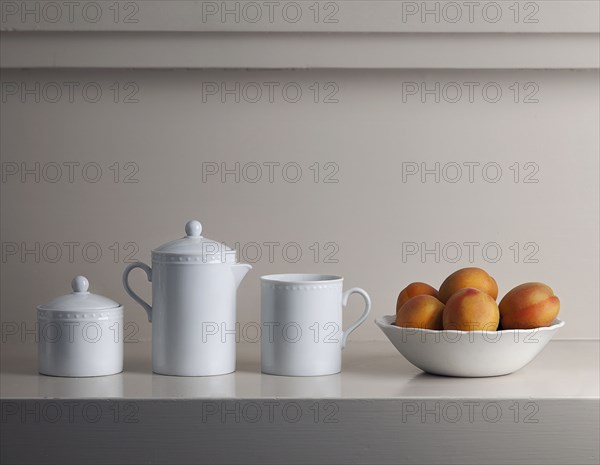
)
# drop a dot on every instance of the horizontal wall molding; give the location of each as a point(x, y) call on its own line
point(348, 16)
point(291, 50)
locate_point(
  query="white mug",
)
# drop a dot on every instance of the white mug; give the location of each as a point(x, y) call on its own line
point(301, 317)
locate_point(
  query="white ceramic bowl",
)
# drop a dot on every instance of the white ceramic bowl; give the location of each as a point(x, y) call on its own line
point(468, 353)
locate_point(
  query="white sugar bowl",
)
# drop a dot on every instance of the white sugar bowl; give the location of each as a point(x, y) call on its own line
point(80, 334)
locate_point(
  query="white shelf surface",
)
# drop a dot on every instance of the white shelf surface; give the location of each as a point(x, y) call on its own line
point(380, 409)
point(371, 370)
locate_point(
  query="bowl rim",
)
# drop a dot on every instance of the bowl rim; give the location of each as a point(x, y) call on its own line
point(383, 323)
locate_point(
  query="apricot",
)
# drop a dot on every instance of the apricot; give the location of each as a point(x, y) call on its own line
point(421, 311)
point(529, 305)
point(414, 289)
point(471, 309)
point(474, 278)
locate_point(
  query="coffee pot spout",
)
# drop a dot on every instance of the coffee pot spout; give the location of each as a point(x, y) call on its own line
point(239, 271)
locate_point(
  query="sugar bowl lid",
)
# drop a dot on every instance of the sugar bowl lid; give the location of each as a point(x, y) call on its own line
point(194, 248)
point(80, 300)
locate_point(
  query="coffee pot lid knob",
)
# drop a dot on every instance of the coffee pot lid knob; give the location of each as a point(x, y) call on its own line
point(193, 228)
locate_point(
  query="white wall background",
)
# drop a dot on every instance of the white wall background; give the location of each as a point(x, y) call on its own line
point(369, 133)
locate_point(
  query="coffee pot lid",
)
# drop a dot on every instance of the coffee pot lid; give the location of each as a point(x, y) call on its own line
point(194, 248)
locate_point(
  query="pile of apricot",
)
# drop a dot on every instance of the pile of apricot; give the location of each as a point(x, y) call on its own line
point(466, 301)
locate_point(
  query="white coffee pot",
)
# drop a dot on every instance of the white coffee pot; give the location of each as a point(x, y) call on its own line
point(193, 311)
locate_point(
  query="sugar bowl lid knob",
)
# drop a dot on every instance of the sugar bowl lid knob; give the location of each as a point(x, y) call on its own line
point(193, 228)
point(80, 284)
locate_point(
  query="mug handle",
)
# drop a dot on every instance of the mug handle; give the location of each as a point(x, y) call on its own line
point(360, 321)
point(132, 294)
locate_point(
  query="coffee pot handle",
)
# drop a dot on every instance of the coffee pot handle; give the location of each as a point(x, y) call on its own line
point(132, 294)
point(361, 320)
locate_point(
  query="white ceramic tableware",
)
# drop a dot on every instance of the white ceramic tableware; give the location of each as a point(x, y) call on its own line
point(80, 334)
point(468, 353)
point(193, 311)
point(301, 317)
